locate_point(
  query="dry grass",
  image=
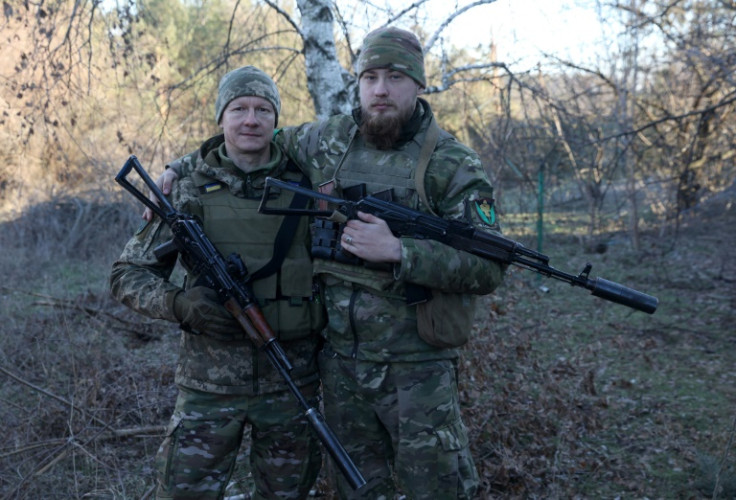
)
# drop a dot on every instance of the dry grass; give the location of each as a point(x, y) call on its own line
point(86, 385)
point(572, 397)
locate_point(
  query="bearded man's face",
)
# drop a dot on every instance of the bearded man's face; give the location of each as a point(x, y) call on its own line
point(387, 99)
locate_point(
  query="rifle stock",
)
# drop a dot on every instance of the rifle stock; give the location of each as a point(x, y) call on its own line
point(227, 277)
point(404, 221)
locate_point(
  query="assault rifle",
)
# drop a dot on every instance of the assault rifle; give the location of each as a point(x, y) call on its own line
point(227, 278)
point(404, 221)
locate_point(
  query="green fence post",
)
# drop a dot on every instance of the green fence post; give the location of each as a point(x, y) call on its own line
point(540, 208)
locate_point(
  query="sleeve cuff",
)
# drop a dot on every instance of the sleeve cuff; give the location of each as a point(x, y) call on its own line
point(402, 270)
point(169, 301)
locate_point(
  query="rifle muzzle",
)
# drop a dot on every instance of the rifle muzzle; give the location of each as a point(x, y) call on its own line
point(620, 294)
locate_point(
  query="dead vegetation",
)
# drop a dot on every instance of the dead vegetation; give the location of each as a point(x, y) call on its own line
point(565, 395)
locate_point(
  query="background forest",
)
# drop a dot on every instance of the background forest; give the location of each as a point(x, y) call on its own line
point(624, 160)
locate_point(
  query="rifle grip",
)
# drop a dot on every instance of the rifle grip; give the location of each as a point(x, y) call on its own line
point(165, 251)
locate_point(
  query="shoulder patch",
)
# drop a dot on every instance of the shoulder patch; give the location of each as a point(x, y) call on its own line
point(485, 210)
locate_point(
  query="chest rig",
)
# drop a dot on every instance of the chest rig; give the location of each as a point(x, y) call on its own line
point(396, 176)
point(274, 249)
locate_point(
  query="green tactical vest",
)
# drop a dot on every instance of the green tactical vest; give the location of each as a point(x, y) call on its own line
point(379, 171)
point(445, 321)
point(287, 297)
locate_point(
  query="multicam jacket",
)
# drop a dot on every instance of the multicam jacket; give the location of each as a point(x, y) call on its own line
point(368, 314)
point(226, 201)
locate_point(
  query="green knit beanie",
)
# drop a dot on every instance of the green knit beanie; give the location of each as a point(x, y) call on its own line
point(246, 81)
point(395, 49)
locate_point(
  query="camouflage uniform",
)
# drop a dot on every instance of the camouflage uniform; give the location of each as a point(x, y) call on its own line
point(226, 382)
point(390, 396)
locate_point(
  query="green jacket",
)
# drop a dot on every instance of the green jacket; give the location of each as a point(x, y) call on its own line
point(368, 314)
point(226, 200)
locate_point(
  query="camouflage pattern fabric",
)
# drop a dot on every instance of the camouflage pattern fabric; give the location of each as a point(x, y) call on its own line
point(389, 395)
point(210, 364)
point(393, 48)
point(226, 382)
point(198, 455)
point(365, 306)
point(371, 329)
point(387, 417)
point(246, 81)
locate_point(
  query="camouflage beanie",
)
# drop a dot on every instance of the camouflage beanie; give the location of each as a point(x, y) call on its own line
point(246, 81)
point(395, 49)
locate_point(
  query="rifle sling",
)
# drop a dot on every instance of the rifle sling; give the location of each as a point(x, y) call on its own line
point(284, 237)
point(430, 142)
point(418, 294)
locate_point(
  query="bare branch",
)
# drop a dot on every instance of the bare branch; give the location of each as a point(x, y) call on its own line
point(285, 16)
point(145, 431)
point(729, 99)
point(584, 69)
point(342, 23)
point(43, 391)
point(401, 13)
point(230, 28)
point(448, 82)
point(433, 39)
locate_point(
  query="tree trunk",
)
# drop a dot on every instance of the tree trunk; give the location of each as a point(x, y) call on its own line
point(329, 84)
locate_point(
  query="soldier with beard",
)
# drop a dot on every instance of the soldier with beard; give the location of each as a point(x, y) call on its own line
point(398, 312)
point(389, 367)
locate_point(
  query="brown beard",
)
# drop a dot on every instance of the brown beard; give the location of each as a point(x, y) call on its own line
point(382, 131)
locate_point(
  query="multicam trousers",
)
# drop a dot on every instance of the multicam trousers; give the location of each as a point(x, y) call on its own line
point(402, 421)
point(199, 453)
